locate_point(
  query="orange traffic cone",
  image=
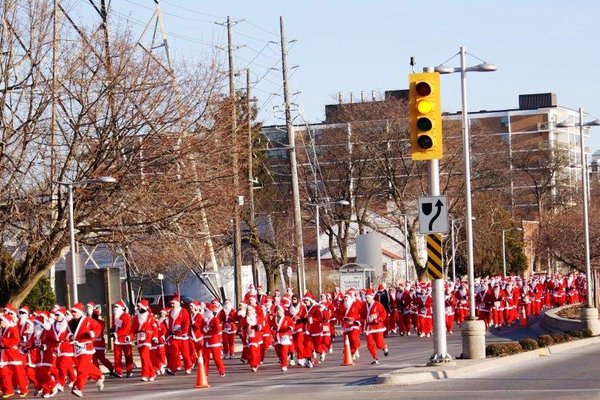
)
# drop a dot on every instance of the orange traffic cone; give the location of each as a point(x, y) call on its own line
point(523, 317)
point(347, 356)
point(201, 379)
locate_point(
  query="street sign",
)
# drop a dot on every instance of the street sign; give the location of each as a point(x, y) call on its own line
point(433, 215)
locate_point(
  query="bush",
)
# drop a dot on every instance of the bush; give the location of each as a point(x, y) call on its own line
point(41, 296)
point(528, 344)
point(502, 349)
point(558, 338)
point(567, 337)
point(585, 333)
point(545, 341)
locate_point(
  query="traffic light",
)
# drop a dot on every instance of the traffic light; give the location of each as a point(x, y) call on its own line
point(425, 116)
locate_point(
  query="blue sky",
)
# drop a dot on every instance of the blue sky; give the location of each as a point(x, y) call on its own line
point(353, 46)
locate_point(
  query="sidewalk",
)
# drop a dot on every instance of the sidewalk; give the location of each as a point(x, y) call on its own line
point(458, 368)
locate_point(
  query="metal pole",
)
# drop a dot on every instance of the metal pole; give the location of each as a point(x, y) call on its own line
point(319, 277)
point(406, 246)
point(453, 251)
point(586, 228)
point(72, 238)
point(503, 255)
point(440, 348)
point(467, 161)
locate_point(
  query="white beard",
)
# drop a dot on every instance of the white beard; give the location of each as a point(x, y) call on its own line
point(142, 317)
point(348, 303)
point(393, 295)
point(227, 308)
point(251, 319)
point(118, 312)
point(463, 292)
point(294, 310)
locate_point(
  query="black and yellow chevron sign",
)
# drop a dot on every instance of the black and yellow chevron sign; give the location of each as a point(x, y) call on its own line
point(434, 256)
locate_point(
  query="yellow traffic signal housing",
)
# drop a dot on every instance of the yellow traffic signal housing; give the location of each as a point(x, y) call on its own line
point(425, 116)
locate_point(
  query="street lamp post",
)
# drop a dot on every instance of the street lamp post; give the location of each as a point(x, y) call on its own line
point(318, 228)
point(70, 186)
point(589, 313)
point(476, 330)
point(504, 248)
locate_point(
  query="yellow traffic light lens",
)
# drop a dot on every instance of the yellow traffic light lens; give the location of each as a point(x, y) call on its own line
point(424, 124)
point(424, 106)
point(423, 88)
point(425, 142)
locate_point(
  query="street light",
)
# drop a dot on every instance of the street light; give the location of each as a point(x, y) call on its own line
point(317, 206)
point(584, 194)
point(70, 186)
point(504, 248)
point(470, 351)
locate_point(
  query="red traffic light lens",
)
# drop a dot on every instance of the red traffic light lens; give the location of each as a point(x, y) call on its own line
point(425, 142)
point(424, 124)
point(423, 89)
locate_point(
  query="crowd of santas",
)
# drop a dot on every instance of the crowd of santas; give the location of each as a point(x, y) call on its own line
point(52, 350)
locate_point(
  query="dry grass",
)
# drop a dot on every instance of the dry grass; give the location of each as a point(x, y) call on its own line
point(571, 312)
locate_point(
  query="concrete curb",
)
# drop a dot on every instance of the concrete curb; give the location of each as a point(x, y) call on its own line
point(423, 374)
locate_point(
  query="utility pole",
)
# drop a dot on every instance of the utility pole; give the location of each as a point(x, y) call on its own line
point(237, 248)
point(252, 219)
point(298, 240)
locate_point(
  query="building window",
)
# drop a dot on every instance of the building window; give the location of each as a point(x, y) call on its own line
point(504, 121)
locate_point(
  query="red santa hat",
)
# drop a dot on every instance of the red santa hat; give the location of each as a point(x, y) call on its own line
point(60, 310)
point(252, 298)
point(265, 299)
point(211, 307)
point(369, 293)
point(41, 317)
point(120, 304)
point(308, 296)
point(380, 287)
point(90, 304)
point(175, 299)
point(164, 310)
point(8, 319)
point(77, 308)
point(143, 304)
point(24, 309)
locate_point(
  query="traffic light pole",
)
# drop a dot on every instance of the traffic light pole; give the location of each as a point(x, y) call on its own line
point(440, 347)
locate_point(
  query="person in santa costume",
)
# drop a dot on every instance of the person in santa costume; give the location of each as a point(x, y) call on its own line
point(313, 331)
point(82, 331)
point(424, 305)
point(326, 345)
point(268, 311)
point(253, 337)
point(122, 339)
point(409, 310)
point(392, 321)
point(157, 349)
point(450, 307)
point(143, 329)
point(178, 327)
point(511, 303)
point(229, 320)
point(29, 354)
point(282, 327)
point(495, 301)
point(297, 312)
point(99, 356)
point(462, 304)
point(11, 360)
point(64, 349)
point(197, 323)
point(213, 340)
point(350, 319)
point(43, 340)
point(375, 315)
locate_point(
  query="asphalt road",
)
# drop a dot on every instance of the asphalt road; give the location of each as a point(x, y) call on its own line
point(328, 378)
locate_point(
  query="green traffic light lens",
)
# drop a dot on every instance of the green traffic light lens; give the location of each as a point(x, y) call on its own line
point(425, 142)
point(424, 124)
point(423, 89)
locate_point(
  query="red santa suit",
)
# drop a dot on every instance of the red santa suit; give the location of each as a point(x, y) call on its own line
point(157, 349)
point(511, 303)
point(64, 349)
point(538, 295)
point(196, 330)
point(282, 327)
point(99, 356)
point(374, 315)
point(297, 313)
point(213, 339)
point(326, 315)
point(11, 361)
point(43, 340)
point(424, 305)
point(268, 310)
point(253, 337)
point(393, 321)
point(449, 311)
point(229, 320)
point(409, 311)
point(29, 353)
point(82, 331)
point(143, 329)
point(462, 305)
point(122, 338)
point(495, 301)
point(313, 331)
point(350, 319)
point(178, 326)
